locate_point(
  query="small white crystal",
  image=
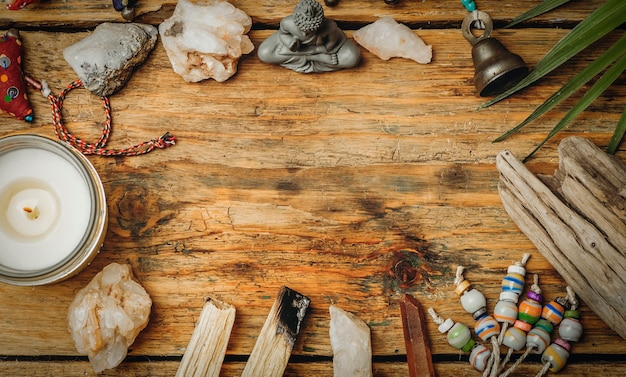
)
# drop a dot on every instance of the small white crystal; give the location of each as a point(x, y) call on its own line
point(206, 39)
point(386, 39)
point(107, 315)
point(351, 343)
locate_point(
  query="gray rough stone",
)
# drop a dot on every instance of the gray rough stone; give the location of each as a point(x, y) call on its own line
point(105, 59)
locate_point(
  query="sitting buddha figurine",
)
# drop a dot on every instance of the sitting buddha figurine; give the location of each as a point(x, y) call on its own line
point(307, 42)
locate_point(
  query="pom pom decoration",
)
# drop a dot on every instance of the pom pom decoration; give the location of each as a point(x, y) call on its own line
point(13, 97)
point(19, 4)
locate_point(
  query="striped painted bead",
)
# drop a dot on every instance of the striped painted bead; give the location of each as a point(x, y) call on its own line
point(538, 338)
point(529, 310)
point(553, 312)
point(459, 335)
point(487, 327)
point(513, 282)
point(556, 354)
point(505, 311)
point(514, 338)
point(479, 357)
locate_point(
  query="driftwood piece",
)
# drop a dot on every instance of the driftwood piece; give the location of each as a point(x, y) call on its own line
point(207, 347)
point(578, 223)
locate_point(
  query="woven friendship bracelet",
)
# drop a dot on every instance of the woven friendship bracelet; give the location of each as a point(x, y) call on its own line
point(99, 148)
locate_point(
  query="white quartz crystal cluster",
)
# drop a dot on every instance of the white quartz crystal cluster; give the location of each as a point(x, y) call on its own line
point(107, 315)
point(205, 39)
point(351, 343)
point(387, 39)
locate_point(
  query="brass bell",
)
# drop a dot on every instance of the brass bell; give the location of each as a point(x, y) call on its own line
point(496, 69)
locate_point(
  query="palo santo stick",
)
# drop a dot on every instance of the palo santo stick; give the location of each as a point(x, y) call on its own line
point(207, 347)
point(270, 354)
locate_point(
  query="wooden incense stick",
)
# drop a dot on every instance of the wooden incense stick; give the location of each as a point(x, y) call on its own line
point(207, 347)
point(272, 350)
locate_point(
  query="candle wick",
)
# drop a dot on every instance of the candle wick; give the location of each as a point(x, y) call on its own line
point(31, 213)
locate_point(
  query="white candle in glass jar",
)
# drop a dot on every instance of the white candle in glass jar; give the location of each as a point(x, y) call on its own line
point(47, 208)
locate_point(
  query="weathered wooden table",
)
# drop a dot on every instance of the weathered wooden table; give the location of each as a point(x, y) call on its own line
point(322, 183)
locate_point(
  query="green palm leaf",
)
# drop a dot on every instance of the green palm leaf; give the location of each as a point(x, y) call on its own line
point(598, 88)
point(542, 8)
point(620, 129)
point(603, 20)
point(589, 72)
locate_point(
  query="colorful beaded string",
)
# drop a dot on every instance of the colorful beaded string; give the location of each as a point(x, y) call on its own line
point(99, 148)
point(505, 310)
point(538, 338)
point(529, 312)
point(555, 356)
point(475, 303)
point(460, 337)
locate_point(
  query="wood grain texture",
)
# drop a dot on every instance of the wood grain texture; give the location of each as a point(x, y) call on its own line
point(351, 187)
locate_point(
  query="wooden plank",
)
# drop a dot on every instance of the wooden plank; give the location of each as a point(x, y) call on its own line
point(156, 368)
point(88, 14)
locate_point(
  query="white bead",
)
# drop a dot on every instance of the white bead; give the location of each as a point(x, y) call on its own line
point(473, 300)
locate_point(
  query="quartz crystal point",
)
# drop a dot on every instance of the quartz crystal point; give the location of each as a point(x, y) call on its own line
point(351, 343)
point(206, 39)
point(105, 59)
point(386, 39)
point(418, 352)
point(107, 315)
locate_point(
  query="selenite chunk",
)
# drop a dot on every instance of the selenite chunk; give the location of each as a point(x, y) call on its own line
point(206, 39)
point(107, 315)
point(387, 38)
point(351, 343)
point(105, 59)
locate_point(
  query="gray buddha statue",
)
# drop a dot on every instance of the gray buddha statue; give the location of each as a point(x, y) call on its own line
point(307, 42)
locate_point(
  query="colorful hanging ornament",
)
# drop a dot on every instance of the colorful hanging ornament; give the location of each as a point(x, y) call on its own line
point(505, 310)
point(14, 99)
point(474, 302)
point(538, 338)
point(529, 312)
point(555, 356)
point(19, 4)
point(460, 337)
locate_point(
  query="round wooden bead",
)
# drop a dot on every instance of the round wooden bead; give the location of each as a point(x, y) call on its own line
point(505, 311)
point(529, 310)
point(513, 282)
point(473, 300)
point(553, 312)
point(571, 329)
point(538, 338)
point(479, 357)
point(514, 338)
point(459, 335)
point(462, 287)
point(556, 354)
point(487, 327)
